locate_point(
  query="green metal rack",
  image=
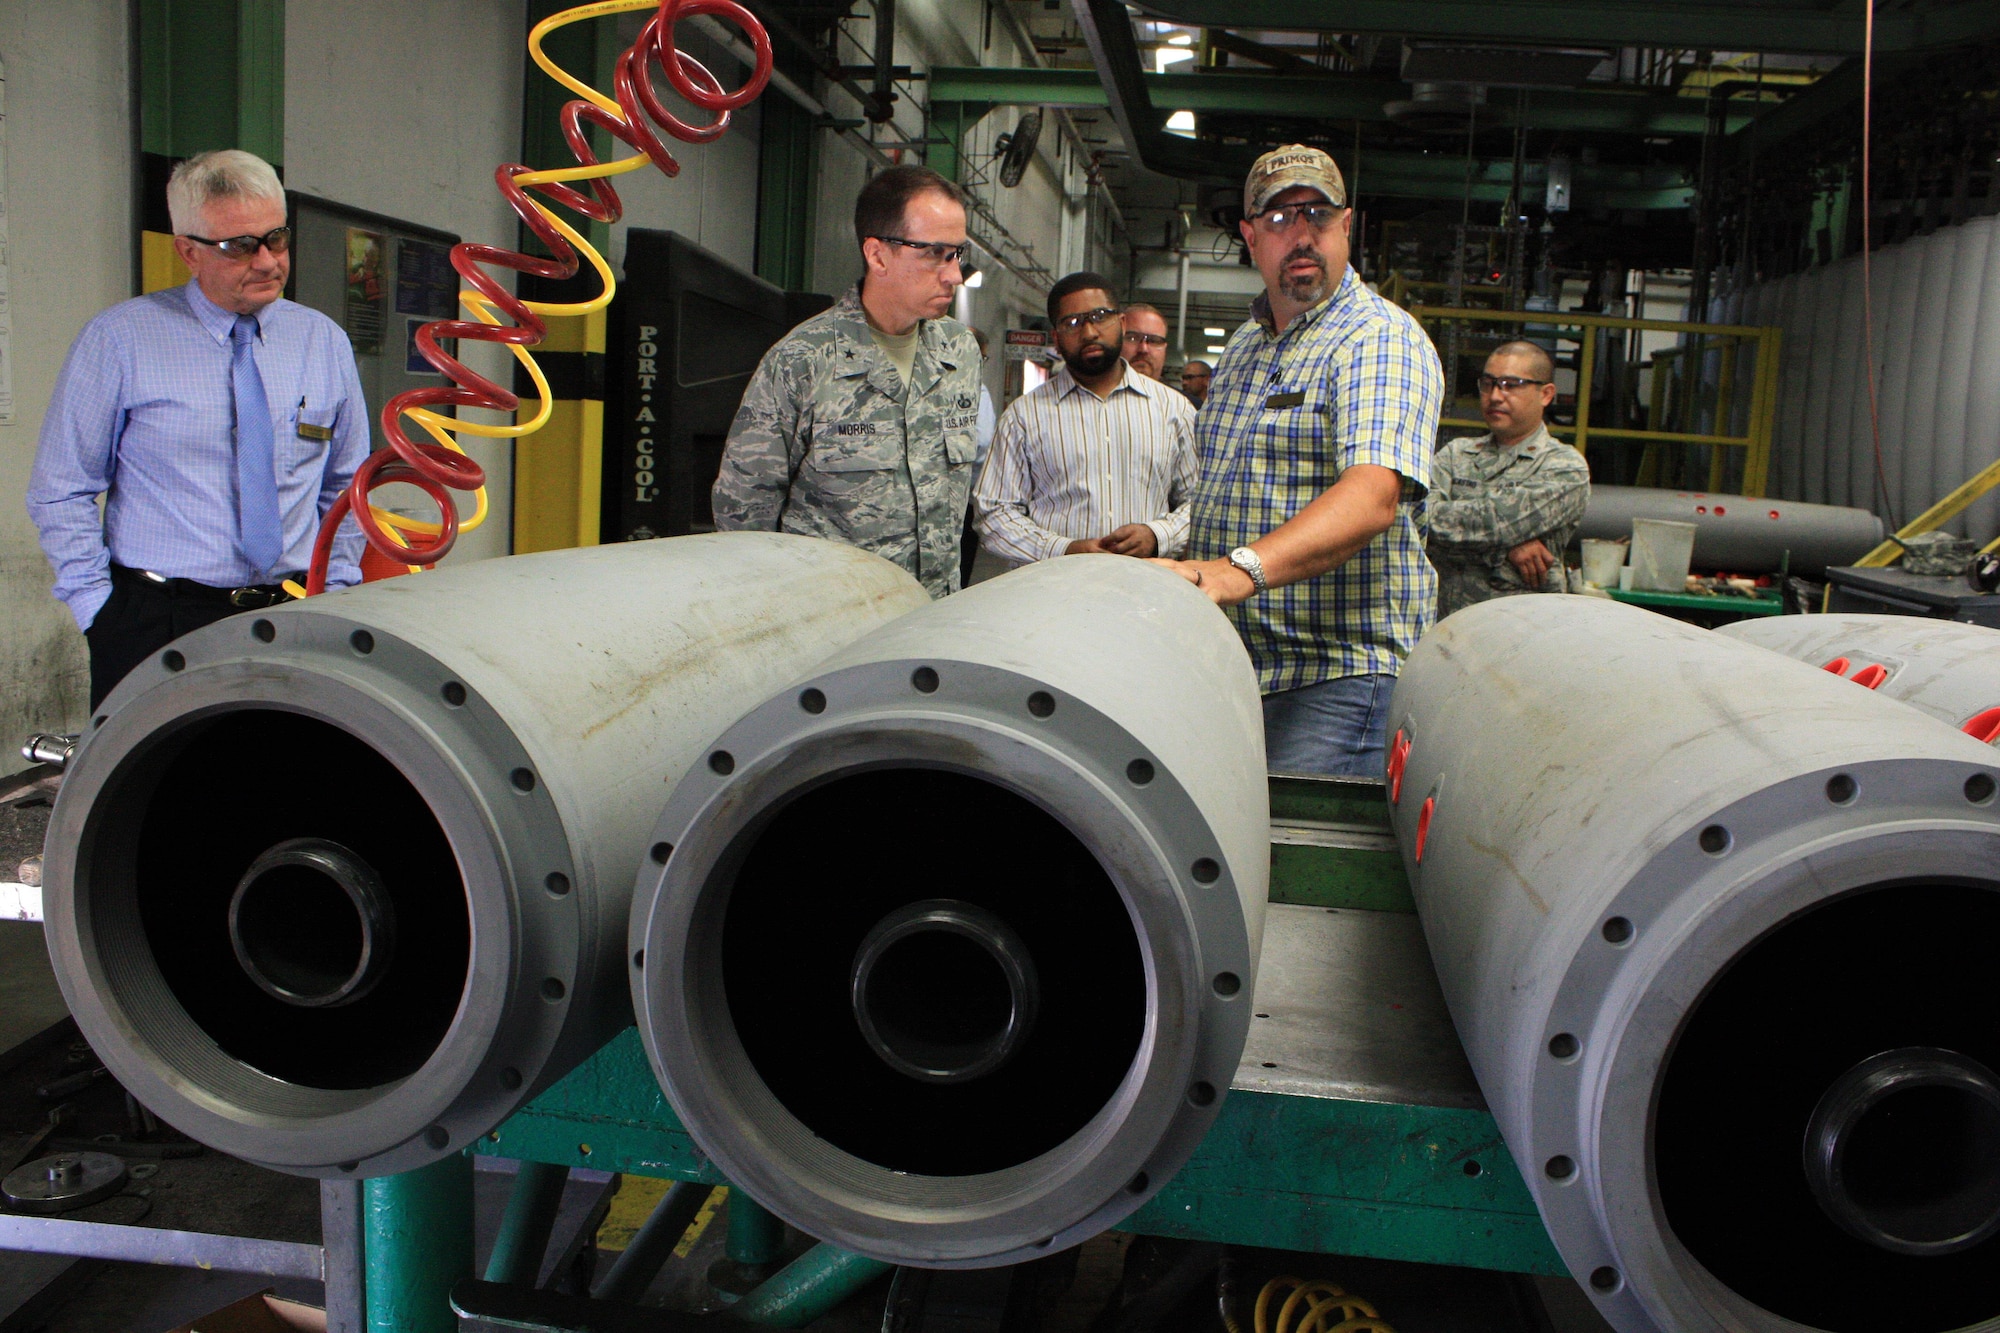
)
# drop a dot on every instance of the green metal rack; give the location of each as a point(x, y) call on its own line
point(1353, 1126)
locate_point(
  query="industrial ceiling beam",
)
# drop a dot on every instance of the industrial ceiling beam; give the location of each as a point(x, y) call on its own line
point(1839, 93)
point(1399, 174)
point(1121, 74)
point(1329, 97)
point(1755, 25)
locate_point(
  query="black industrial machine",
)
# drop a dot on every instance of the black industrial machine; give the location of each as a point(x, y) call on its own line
point(687, 330)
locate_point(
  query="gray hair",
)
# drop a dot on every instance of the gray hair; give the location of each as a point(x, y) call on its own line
point(225, 173)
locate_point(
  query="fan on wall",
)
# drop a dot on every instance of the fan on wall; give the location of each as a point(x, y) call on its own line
point(1016, 149)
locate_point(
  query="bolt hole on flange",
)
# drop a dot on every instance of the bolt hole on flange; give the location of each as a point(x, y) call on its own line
point(1841, 789)
point(1827, 1128)
point(924, 680)
point(1715, 840)
point(1979, 788)
point(1617, 930)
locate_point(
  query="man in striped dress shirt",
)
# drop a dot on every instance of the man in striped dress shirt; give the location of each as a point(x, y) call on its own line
point(1100, 459)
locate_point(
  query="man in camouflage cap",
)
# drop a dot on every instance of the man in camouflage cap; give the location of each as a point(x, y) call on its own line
point(859, 426)
point(1504, 505)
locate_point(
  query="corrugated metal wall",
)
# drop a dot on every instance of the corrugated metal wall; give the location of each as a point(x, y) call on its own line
point(1937, 343)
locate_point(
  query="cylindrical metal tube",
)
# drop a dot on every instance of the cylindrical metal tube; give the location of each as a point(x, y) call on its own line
point(649, 1250)
point(1740, 533)
point(1677, 902)
point(808, 1287)
point(946, 953)
point(1941, 667)
point(756, 1236)
point(418, 1245)
point(523, 1239)
point(485, 750)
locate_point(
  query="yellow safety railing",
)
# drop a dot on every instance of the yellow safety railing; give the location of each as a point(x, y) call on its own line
point(1728, 339)
point(1939, 514)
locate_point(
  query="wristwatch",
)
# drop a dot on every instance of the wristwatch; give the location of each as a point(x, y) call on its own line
point(1248, 561)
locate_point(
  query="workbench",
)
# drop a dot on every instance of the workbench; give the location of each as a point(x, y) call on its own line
point(1353, 1125)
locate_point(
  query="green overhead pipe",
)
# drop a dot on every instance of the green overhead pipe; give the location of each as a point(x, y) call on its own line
point(808, 1287)
point(419, 1243)
point(524, 1230)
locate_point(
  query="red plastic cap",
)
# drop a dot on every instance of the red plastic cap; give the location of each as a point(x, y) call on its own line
point(1399, 758)
point(1424, 825)
point(1983, 726)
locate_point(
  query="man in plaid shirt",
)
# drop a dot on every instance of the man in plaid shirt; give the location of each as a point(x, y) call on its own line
point(1315, 446)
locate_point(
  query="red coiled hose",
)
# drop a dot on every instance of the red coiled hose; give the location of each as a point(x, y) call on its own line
point(430, 466)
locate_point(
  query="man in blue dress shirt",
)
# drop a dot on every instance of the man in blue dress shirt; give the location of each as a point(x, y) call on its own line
point(218, 421)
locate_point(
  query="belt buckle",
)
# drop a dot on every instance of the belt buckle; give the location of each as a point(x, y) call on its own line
point(249, 599)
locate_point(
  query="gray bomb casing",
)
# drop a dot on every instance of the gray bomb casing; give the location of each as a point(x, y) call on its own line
point(1941, 667)
point(1045, 796)
point(1680, 892)
point(336, 886)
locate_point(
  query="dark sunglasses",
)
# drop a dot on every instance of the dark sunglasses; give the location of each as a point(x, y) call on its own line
point(277, 241)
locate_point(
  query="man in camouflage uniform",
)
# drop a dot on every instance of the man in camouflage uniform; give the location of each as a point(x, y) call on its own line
point(1504, 505)
point(860, 425)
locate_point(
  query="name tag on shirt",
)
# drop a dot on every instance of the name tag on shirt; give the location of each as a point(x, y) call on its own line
point(308, 431)
point(1296, 398)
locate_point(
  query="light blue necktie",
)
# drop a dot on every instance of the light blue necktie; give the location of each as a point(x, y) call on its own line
point(258, 521)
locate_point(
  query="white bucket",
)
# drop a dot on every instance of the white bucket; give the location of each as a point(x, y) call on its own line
point(1661, 553)
point(1602, 561)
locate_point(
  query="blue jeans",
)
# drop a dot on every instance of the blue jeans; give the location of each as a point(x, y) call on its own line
point(1334, 727)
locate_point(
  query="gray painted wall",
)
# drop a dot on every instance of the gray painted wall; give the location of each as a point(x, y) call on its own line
point(1936, 304)
point(71, 240)
point(376, 119)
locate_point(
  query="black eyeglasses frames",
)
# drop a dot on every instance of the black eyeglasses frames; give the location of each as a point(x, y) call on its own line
point(939, 253)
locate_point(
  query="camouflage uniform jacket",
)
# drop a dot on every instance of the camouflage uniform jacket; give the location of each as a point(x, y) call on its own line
point(1486, 500)
point(826, 443)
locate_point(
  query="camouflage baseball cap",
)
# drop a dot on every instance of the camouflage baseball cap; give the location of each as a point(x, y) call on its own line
point(1294, 164)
